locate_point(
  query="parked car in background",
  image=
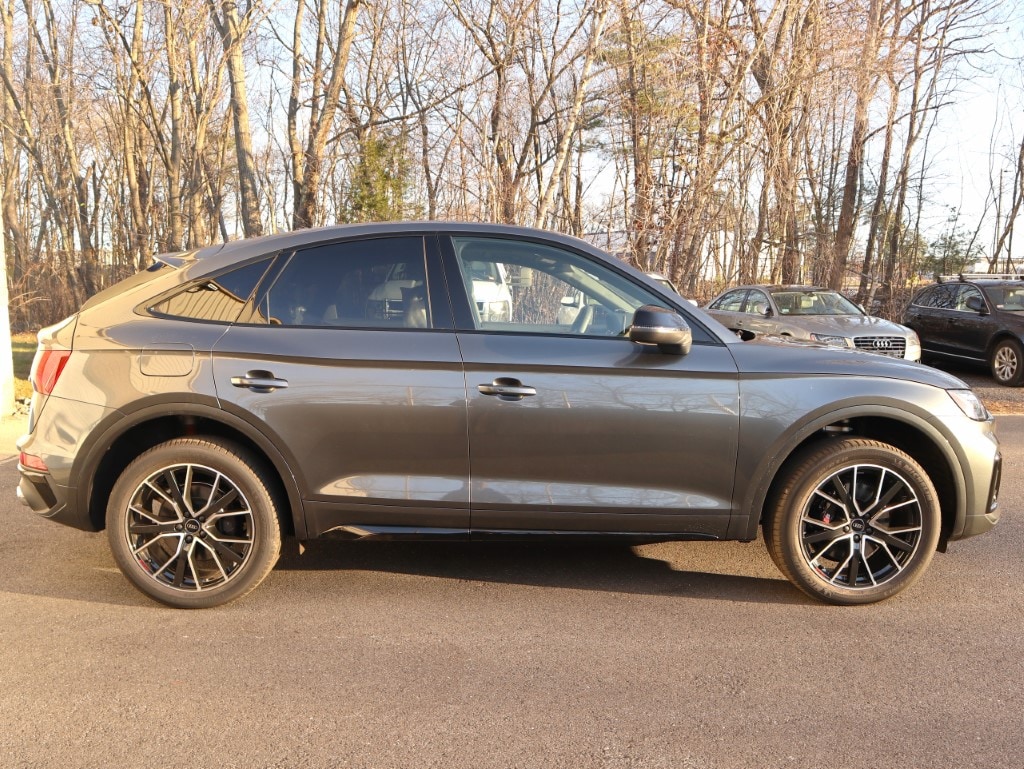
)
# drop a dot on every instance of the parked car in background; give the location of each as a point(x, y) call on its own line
point(421, 381)
point(976, 319)
point(812, 313)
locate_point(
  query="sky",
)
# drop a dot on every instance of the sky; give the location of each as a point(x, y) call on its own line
point(980, 133)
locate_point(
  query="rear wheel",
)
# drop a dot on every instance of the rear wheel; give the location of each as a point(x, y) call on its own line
point(1007, 362)
point(855, 521)
point(191, 523)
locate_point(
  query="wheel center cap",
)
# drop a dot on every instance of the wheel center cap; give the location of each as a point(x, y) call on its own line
point(857, 524)
point(192, 526)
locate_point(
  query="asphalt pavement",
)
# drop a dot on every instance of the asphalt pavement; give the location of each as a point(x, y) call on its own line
point(679, 656)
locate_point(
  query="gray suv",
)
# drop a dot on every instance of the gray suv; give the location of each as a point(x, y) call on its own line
point(294, 386)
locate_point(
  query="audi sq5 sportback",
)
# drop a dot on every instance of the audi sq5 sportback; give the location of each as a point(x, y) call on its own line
point(363, 382)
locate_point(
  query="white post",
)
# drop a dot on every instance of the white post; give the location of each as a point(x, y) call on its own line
point(6, 353)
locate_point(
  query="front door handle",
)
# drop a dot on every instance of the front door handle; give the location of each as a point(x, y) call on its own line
point(507, 388)
point(259, 381)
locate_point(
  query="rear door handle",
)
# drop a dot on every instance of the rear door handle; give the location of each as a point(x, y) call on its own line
point(259, 381)
point(507, 388)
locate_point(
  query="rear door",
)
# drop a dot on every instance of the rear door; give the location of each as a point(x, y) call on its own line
point(350, 365)
point(933, 314)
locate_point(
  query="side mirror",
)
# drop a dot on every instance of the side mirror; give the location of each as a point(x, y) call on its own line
point(568, 301)
point(977, 304)
point(659, 326)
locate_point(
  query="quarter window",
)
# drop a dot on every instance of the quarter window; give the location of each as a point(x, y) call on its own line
point(219, 299)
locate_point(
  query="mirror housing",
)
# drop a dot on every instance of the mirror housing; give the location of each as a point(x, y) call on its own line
point(977, 304)
point(654, 325)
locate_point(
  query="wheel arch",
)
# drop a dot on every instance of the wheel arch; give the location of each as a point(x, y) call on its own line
point(125, 436)
point(915, 436)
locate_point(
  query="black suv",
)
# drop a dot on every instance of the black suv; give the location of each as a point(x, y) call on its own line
point(973, 318)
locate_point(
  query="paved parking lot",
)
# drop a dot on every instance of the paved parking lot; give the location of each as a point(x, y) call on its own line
point(689, 655)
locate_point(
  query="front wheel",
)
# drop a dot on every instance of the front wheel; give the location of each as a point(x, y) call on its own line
point(192, 525)
point(854, 521)
point(1007, 362)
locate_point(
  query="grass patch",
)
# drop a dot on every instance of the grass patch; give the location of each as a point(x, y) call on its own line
point(24, 347)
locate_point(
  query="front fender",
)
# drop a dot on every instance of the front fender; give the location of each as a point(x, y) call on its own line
point(770, 435)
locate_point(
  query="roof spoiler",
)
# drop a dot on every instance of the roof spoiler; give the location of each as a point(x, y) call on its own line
point(181, 258)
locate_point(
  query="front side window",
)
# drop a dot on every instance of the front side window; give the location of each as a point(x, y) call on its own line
point(536, 288)
point(757, 303)
point(966, 293)
point(378, 282)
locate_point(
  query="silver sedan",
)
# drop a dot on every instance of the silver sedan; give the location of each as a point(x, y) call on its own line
point(811, 313)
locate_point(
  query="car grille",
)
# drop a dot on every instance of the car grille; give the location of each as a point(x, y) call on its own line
point(893, 346)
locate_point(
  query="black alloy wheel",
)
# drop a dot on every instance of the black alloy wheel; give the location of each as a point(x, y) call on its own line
point(191, 523)
point(855, 521)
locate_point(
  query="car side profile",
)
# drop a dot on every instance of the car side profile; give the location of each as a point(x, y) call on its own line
point(812, 313)
point(354, 382)
point(976, 319)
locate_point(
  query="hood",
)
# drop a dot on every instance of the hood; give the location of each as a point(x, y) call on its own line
point(780, 355)
point(844, 325)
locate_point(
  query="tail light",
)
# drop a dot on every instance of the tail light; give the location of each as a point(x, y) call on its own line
point(47, 367)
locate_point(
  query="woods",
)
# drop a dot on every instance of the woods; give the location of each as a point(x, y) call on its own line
point(713, 141)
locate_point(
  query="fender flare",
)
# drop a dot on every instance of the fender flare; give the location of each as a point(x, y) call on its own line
point(744, 527)
point(117, 423)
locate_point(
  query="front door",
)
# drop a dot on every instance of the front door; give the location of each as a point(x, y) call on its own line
point(572, 427)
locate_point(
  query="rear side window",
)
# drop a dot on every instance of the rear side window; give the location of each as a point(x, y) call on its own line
point(730, 302)
point(219, 299)
point(374, 283)
point(942, 297)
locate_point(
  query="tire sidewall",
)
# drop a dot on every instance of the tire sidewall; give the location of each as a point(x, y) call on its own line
point(1018, 352)
point(816, 465)
point(243, 471)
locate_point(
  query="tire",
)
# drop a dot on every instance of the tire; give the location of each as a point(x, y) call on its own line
point(854, 548)
point(192, 525)
point(1007, 362)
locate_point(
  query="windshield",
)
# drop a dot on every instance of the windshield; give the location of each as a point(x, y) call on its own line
point(1006, 298)
point(814, 303)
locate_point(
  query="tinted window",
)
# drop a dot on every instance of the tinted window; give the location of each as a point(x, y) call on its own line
point(523, 286)
point(730, 302)
point(379, 282)
point(942, 297)
point(218, 299)
point(968, 292)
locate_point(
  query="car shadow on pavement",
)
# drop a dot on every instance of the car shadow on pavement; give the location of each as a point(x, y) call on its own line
point(602, 567)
